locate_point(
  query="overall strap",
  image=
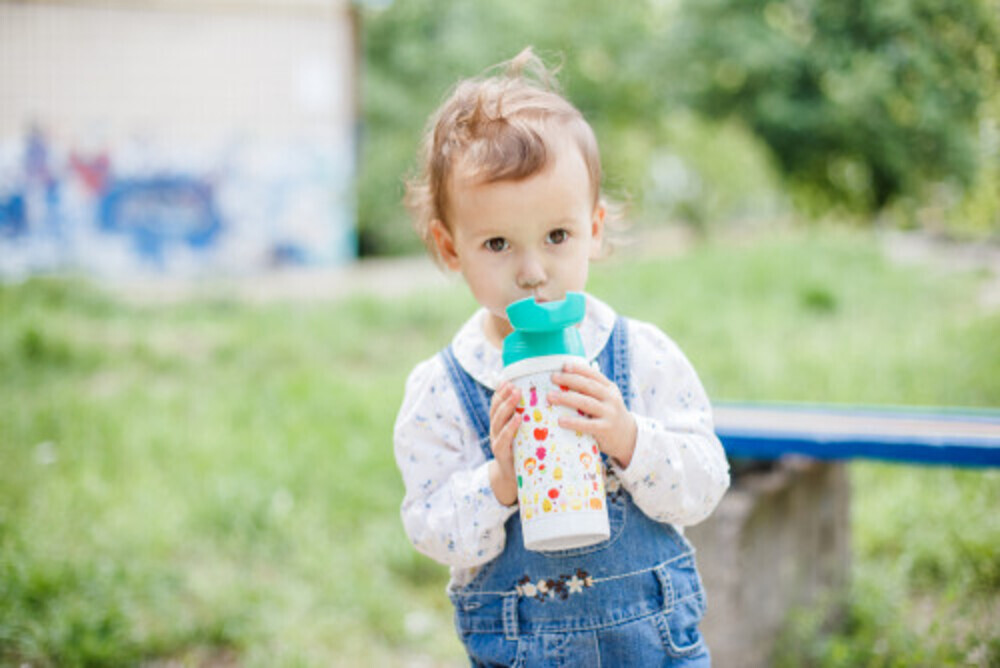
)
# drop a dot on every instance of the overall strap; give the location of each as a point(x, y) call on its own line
point(475, 398)
point(614, 359)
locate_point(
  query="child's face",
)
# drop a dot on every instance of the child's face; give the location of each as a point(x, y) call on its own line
point(517, 239)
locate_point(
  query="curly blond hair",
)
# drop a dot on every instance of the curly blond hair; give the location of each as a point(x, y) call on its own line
point(498, 127)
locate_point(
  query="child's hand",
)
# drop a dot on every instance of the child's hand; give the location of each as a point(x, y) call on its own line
point(601, 410)
point(504, 422)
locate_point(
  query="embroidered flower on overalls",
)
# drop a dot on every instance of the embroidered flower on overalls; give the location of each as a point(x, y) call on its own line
point(575, 585)
point(612, 485)
point(562, 586)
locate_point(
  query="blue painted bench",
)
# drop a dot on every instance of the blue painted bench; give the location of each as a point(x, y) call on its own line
point(954, 437)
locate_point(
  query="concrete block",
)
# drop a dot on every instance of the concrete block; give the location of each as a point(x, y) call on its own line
point(778, 540)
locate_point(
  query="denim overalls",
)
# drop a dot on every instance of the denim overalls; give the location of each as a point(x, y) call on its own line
point(632, 600)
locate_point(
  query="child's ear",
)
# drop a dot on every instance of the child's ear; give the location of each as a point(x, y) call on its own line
point(445, 244)
point(597, 230)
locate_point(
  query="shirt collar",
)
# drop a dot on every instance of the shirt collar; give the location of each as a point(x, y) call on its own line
point(483, 362)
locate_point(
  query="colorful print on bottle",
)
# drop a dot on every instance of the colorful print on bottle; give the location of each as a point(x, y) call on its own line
point(558, 471)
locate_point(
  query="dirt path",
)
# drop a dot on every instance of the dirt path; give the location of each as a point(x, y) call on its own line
point(948, 256)
point(382, 277)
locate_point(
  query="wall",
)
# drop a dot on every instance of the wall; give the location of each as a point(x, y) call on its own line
point(176, 137)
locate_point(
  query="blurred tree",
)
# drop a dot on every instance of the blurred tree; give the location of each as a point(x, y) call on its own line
point(861, 101)
point(415, 51)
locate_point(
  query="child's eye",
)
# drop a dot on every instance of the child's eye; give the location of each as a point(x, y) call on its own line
point(558, 236)
point(496, 244)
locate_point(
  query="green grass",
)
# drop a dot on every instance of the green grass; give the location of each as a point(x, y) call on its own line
point(213, 482)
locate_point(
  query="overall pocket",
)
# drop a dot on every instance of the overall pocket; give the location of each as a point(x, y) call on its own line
point(492, 649)
point(684, 607)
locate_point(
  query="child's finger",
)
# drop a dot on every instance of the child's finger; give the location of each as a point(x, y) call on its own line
point(502, 443)
point(580, 402)
point(502, 394)
point(503, 421)
point(587, 385)
point(582, 424)
point(499, 420)
point(510, 429)
point(504, 399)
point(581, 369)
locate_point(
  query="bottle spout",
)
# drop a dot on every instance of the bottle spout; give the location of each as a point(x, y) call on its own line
point(530, 315)
point(544, 328)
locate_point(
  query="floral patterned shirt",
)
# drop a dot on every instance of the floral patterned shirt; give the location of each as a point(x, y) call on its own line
point(678, 472)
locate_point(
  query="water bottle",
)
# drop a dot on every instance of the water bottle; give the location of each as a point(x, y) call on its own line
point(560, 475)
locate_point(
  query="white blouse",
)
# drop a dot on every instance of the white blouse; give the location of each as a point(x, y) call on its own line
point(678, 472)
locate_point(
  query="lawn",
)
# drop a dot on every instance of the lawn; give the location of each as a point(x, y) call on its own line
point(212, 482)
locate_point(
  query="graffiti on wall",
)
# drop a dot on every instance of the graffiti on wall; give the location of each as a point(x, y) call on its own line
point(160, 211)
point(139, 208)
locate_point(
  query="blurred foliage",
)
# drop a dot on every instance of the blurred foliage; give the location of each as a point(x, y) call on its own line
point(960, 582)
point(862, 101)
point(699, 106)
point(611, 65)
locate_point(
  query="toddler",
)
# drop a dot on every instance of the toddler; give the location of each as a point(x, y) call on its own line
point(509, 196)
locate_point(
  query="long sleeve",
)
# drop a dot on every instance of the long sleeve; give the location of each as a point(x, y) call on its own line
point(449, 511)
point(678, 472)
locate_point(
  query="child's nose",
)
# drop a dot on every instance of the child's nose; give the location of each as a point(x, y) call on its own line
point(531, 273)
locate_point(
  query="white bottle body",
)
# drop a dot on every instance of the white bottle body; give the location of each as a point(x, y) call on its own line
point(560, 475)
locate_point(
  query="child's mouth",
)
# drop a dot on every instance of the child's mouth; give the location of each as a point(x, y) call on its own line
point(541, 299)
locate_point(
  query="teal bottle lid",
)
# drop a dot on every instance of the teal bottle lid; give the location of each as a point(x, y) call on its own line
point(546, 328)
